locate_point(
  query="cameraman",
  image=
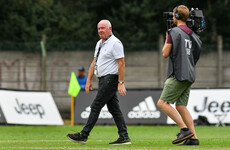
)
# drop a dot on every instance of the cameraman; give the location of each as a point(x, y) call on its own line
point(182, 46)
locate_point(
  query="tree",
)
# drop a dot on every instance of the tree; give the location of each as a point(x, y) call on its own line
point(73, 24)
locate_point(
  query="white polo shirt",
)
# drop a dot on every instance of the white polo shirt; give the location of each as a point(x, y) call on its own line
point(111, 50)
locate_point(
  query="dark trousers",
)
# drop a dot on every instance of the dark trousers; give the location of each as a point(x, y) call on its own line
point(107, 94)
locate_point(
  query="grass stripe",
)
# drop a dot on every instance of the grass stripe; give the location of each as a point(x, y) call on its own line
point(142, 138)
point(54, 148)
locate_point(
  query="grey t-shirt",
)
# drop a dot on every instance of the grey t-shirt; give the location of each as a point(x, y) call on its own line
point(111, 50)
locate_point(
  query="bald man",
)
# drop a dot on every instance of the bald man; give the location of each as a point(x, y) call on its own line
point(109, 66)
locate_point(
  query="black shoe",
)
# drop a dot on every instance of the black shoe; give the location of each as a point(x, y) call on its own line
point(120, 141)
point(77, 137)
point(183, 135)
point(191, 142)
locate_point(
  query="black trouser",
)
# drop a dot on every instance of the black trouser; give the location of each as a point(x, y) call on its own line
point(106, 95)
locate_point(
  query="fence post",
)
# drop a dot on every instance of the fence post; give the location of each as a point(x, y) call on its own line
point(161, 61)
point(220, 59)
point(43, 69)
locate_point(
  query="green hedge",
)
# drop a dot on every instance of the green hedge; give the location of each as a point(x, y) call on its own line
point(137, 23)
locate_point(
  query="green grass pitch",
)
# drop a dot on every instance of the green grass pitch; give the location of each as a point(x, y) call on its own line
point(142, 138)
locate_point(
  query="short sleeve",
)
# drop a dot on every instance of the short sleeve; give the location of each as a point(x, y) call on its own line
point(118, 50)
point(169, 39)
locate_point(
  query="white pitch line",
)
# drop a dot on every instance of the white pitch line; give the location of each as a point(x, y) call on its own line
point(30, 141)
point(55, 148)
point(34, 141)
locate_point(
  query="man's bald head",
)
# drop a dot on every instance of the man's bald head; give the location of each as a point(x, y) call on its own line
point(107, 22)
point(104, 29)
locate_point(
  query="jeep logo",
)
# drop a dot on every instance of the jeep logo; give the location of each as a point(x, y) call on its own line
point(33, 109)
point(213, 106)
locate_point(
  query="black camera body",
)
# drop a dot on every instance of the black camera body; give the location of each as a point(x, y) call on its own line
point(195, 20)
